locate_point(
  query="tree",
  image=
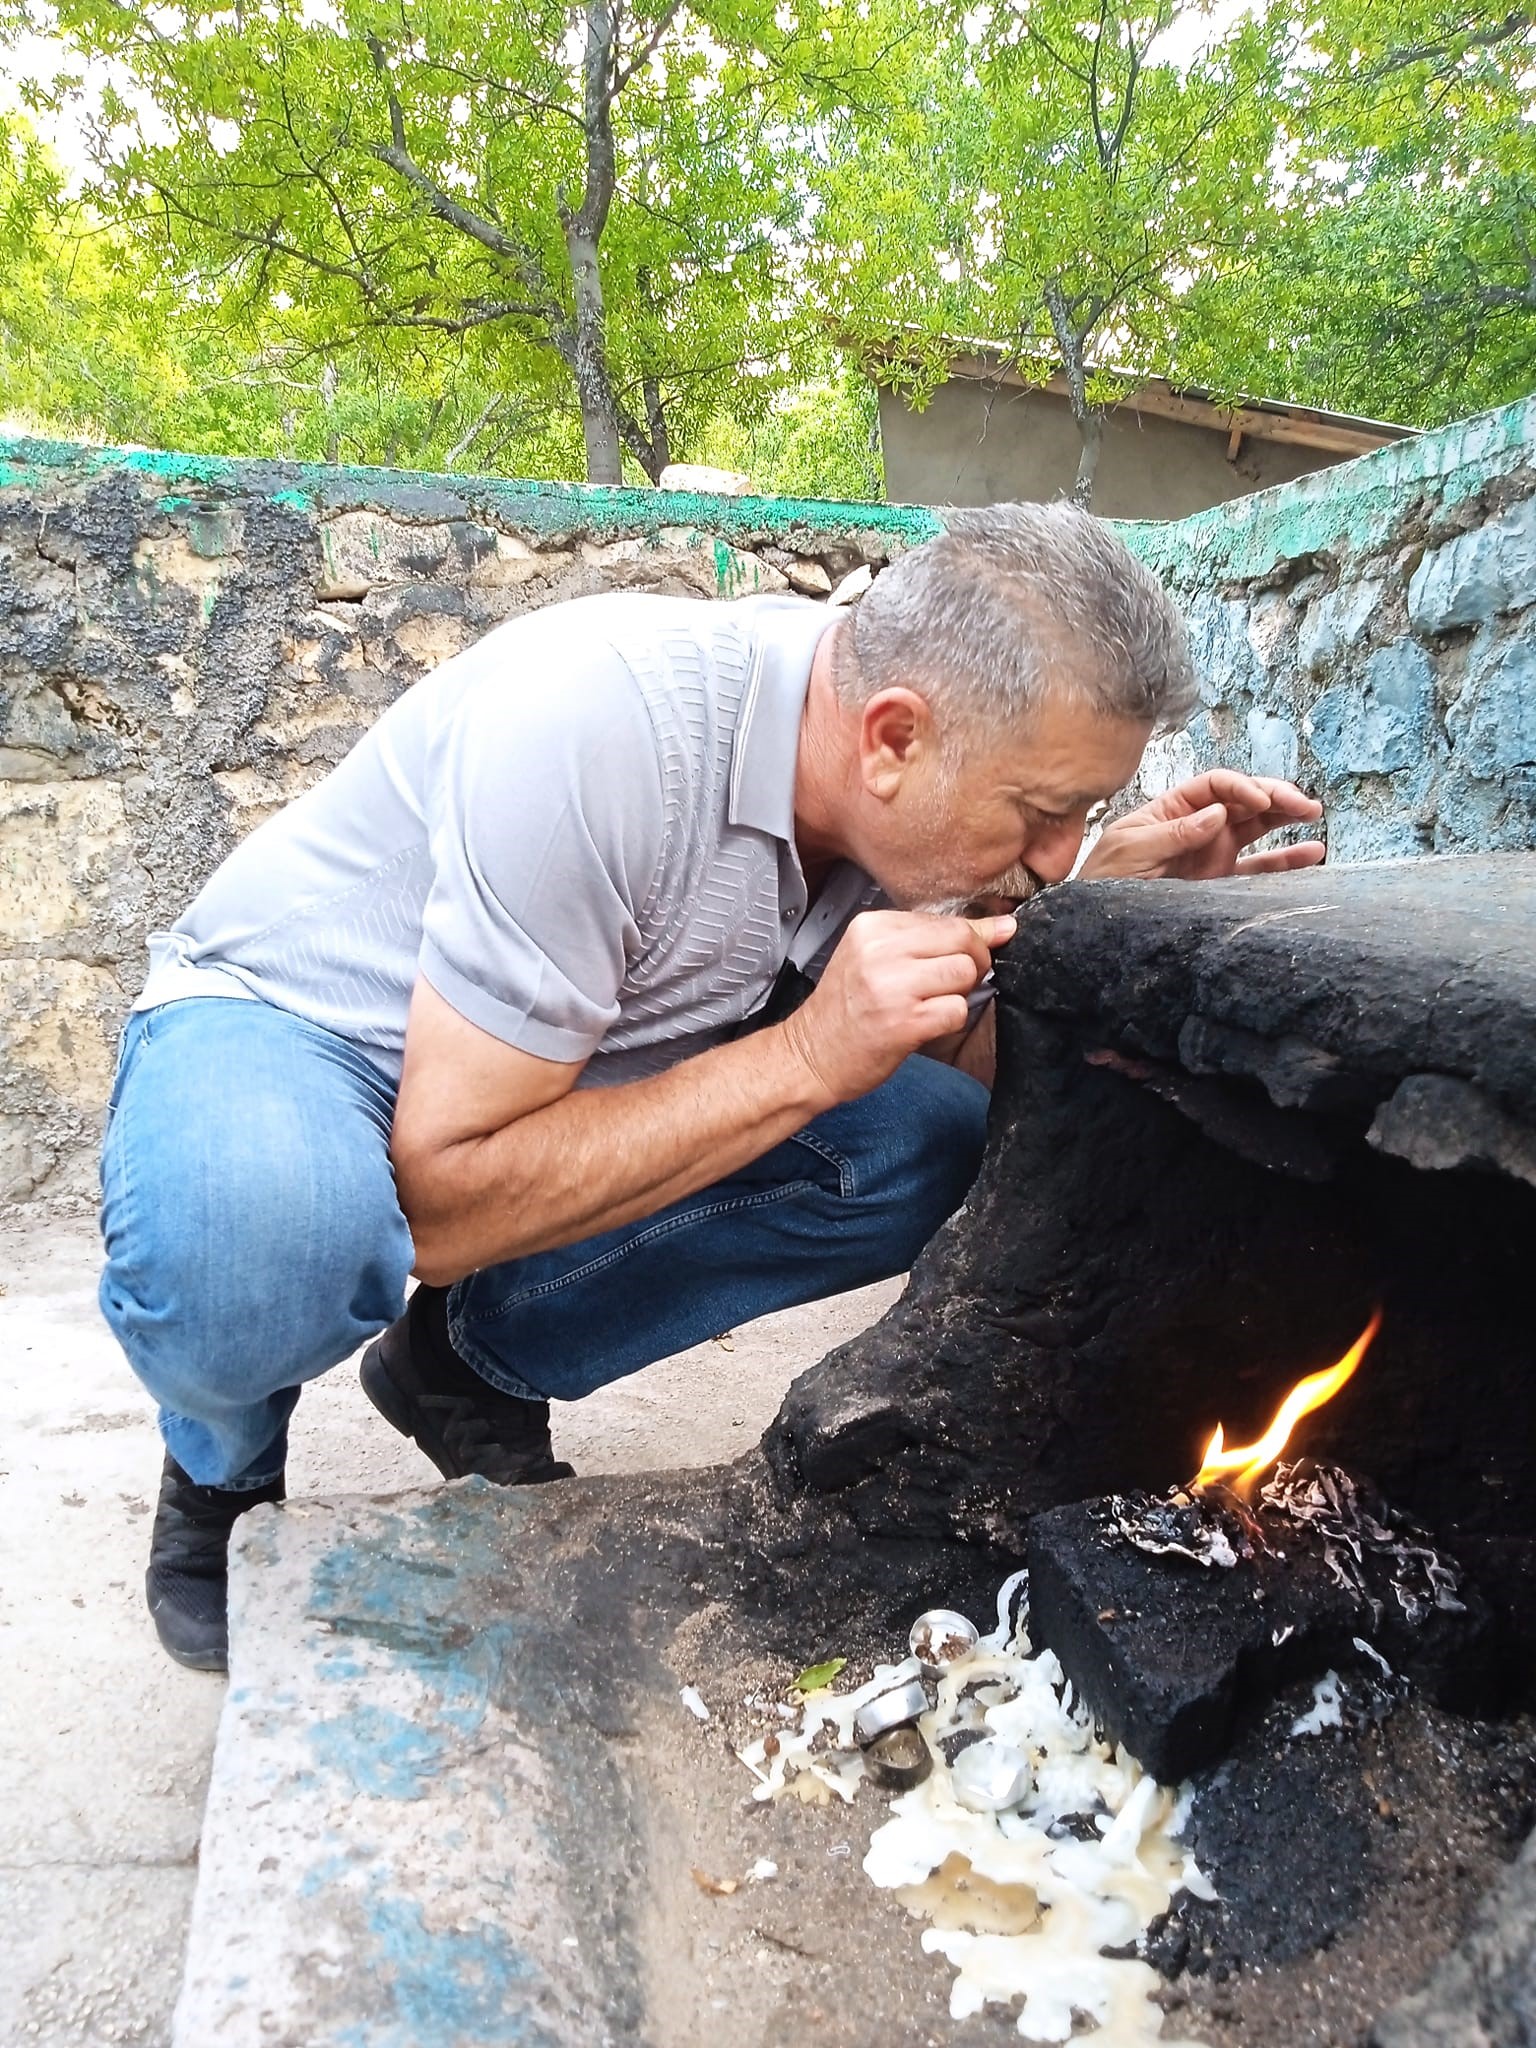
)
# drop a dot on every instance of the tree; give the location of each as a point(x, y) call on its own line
point(553, 198)
point(1400, 280)
point(1088, 177)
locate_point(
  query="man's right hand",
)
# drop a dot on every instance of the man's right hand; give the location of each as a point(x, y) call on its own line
point(897, 981)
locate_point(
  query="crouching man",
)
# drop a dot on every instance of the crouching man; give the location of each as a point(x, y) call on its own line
point(506, 1001)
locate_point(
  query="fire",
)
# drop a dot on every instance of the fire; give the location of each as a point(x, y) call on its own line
point(1249, 1460)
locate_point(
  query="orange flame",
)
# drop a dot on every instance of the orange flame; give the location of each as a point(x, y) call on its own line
point(1249, 1460)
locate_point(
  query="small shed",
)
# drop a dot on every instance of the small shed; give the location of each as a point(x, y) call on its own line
point(991, 433)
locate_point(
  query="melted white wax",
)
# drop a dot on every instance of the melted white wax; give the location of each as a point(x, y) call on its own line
point(1063, 1901)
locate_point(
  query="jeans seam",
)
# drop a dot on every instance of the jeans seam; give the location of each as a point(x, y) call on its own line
point(115, 1120)
point(493, 1373)
point(657, 1231)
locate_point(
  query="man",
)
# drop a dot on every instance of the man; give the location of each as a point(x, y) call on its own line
point(481, 1005)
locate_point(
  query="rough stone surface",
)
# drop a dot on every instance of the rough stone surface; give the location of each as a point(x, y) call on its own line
point(1484, 1993)
point(1169, 1654)
point(1369, 631)
point(1477, 575)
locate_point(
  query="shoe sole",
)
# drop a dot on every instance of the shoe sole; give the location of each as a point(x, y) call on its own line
point(198, 1660)
point(215, 1658)
point(387, 1398)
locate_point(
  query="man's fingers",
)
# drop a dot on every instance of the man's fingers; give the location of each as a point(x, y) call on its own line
point(1286, 800)
point(1200, 826)
point(1281, 860)
point(994, 931)
point(953, 974)
point(944, 1016)
point(1240, 792)
point(923, 935)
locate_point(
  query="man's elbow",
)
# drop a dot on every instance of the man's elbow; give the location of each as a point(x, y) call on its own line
point(454, 1230)
point(435, 1264)
point(421, 1194)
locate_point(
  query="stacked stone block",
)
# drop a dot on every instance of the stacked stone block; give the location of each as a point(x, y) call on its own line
point(1370, 631)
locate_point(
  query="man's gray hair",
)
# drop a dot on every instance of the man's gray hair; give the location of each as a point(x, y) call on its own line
point(1011, 602)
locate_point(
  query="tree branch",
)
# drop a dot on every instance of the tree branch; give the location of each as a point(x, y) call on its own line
point(464, 440)
point(648, 48)
point(1513, 24)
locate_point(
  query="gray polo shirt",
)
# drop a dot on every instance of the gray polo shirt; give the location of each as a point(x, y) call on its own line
point(580, 830)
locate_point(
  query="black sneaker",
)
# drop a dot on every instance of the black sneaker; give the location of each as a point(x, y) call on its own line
point(419, 1383)
point(187, 1584)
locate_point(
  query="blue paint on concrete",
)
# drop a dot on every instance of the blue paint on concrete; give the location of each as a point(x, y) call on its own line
point(447, 1988)
point(328, 1871)
point(381, 1754)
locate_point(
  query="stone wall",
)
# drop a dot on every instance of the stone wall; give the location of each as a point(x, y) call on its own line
point(186, 643)
point(1370, 632)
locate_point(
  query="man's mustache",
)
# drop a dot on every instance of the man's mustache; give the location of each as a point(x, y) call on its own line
point(1016, 885)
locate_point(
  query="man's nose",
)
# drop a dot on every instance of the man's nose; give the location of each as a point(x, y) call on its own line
point(1052, 853)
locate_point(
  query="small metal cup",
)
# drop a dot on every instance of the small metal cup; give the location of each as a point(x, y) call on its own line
point(897, 1708)
point(941, 1639)
point(899, 1759)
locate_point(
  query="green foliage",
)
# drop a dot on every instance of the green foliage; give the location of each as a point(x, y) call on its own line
point(1332, 207)
point(399, 231)
point(1088, 176)
point(542, 203)
point(1403, 283)
point(818, 439)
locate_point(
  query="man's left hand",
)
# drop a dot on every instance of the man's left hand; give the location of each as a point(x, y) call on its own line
point(1204, 828)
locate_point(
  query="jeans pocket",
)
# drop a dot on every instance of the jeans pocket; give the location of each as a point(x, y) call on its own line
point(834, 1168)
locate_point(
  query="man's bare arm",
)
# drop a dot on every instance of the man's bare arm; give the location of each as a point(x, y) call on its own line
point(556, 1166)
point(495, 1156)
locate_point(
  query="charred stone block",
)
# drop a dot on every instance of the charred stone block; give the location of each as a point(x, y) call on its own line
point(1209, 1159)
point(1173, 1618)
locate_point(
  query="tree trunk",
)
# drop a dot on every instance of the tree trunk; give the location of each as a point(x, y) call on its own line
point(1091, 427)
point(656, 427)
point(583, 225)
point(1089, 418)
point(594, 389)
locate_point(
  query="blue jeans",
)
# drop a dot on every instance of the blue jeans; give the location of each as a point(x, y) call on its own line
point(254, 1237)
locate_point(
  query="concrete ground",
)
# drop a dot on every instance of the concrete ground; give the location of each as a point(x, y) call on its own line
point(104, 1743)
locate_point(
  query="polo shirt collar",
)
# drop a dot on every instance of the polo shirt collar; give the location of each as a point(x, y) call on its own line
point(766, 748)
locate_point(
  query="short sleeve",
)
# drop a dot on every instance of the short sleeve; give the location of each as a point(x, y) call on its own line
point(546, 824)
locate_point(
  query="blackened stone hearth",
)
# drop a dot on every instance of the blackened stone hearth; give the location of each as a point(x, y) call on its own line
point(1231, 1117)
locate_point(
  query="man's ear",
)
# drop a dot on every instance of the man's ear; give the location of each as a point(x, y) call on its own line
point(896, 730)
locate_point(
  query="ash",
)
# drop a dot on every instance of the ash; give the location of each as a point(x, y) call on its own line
point(1210, 1528)
point(1356, 1527)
